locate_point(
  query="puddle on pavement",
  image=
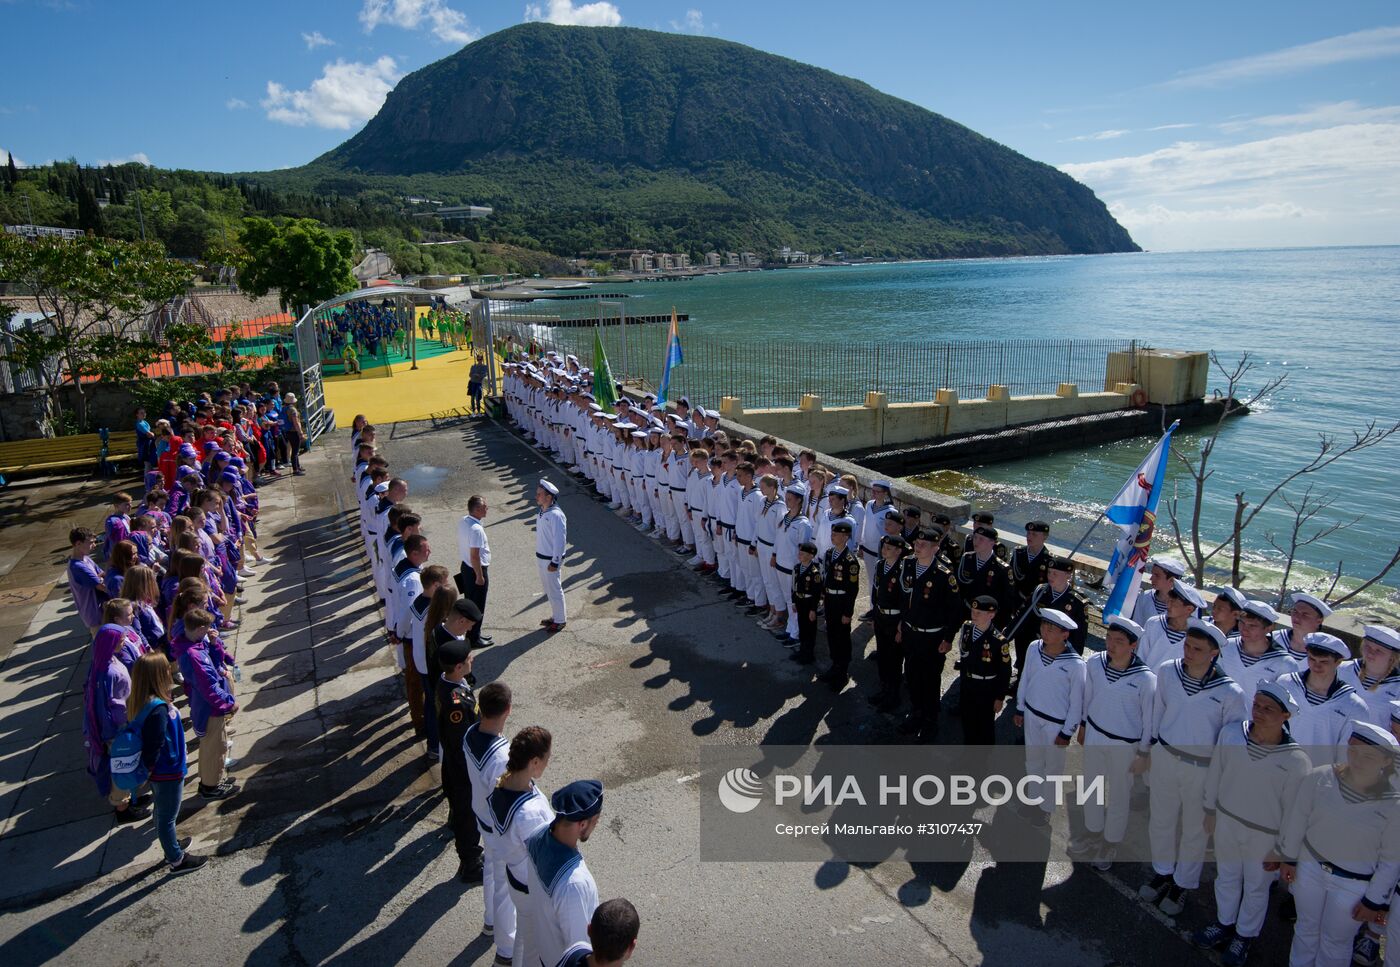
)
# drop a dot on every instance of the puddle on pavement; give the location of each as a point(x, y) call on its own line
point(423, 479)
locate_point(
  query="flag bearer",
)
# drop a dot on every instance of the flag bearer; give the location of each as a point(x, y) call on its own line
point(1050, 700)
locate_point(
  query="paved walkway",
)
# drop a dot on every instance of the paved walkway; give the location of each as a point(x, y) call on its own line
point(336, 850)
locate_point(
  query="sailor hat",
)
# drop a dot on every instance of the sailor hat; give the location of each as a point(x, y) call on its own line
point(1234, 596)
point(1128, 626)
point(1171, 565)
point(579, 800)
point(1262, 610)
point(548, 487)
point(1279, 694)
point(1322, 641)
point(1302, 597)
point(1187, 593)
point(1385, 637)
point(1058, 618)
point(1207, 630)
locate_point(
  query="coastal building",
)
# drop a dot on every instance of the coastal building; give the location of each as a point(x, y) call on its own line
point(712, 260)
point(642, 262)
point(462, 213)
point(749, 260)
point(731, 258)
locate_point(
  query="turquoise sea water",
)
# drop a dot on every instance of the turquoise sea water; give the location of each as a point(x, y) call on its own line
point(1327, 318)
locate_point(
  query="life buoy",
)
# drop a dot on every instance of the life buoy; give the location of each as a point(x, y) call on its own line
point(1139, 399)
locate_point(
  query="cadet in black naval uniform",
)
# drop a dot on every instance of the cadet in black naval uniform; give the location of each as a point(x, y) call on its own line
point(841, 587)
point(457, 712)
point(984, 666)
point(806, 598)
point(1060, 594)
point(888, 597)
point(978, 518)
point(981, 572)
point(948, 545)
point(931, 616)
point(1029, 567)
point(913, 520)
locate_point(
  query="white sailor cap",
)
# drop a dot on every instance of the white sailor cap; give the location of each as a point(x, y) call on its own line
point(1187, 593)
point(1234, 595)
point(571, 358)
point(656, 430)
point(1262, 610)
point(798, 489)
point(1128, 626)
point(1208, 630)
point(381, 488)
point(1302, 597)
point(1395, 712)
point(639, 434)
point(1279, 694)
point(712, 414)
point(882, 484)
point(1322, 641)
point(649, 396)
point(684, 401)
point(1058, 618)
point(837, 491)
point(672, 416)
point(685, 425)
point(595, 407)
point(624, 401)
point(1383, 636)
point(700, 412)
point(1374, 735)
point(548, 487)
point(1171, 565)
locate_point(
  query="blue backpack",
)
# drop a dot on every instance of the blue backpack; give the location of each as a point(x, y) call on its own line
point(124, 754)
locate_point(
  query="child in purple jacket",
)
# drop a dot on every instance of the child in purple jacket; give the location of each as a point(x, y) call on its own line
point(85, 579)
point(211, 703)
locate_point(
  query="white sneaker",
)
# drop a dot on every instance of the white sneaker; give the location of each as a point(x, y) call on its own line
point(247, 572)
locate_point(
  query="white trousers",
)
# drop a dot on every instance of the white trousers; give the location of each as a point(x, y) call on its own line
point(747, 566)
point(771, 585)
point(520, 956)
point(869, 561)
point(1177, 791)
point(723, 548)
point(1241, 885)
point(671, 500)
point(1323, 934)
point(1043, 757)
point(495, 893)
point(704, 542)
point(1110, 759)
point(687, 528)
point(553, 584)
point(758, 563)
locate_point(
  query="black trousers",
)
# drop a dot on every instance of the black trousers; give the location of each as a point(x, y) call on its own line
point(889, 654)
point(977, 702)
point(923, 668)
point(838, 641)
point(466, 835)
point(476, 593)
point(806, 628)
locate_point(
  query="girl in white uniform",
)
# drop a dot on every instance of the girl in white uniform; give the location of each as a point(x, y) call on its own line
point(518, 811)
point(1326, 705)
point(1376, 675)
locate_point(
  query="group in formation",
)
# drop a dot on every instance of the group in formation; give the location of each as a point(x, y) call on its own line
point(1262, 734)
point(541, 903)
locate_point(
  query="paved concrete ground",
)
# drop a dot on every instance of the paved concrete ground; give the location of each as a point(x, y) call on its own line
point(336, 850)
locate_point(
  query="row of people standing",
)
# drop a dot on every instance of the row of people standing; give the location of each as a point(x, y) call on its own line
point(540, 901)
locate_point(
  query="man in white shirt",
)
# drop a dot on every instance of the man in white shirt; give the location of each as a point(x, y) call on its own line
point(475, 552)
point(551, 539)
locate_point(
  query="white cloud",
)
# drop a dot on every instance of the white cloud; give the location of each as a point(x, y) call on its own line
point(1362, 45)
point(346, 94)
point(1169, 127)
point(316, 39)
point(1101, 135)
point(1338, 112)
point(447, 24)
point(692, 23)
point(139, 157)
point(4, 153)
point(598, 14)
point(1332, 184)
point(236, 104)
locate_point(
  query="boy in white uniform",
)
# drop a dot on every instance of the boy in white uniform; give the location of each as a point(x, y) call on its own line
point(1050, 701)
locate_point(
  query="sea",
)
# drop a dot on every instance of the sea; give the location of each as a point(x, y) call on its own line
point(1327, 319)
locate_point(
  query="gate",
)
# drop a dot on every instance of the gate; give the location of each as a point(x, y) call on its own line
point(316, 419)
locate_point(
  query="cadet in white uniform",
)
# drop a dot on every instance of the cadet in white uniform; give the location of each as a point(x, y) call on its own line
point(1254, 775)
point(518, 811)
point(1195, 701)
point(1050, 700)
point(1254, 655)
point(793, 531)
point(1341, 847)
point(1305, 618)
point(1376, 676)
point(551, 539)
point(1326, 705)
point(1162, 634)
point(1162, 571)
point(562, 894)
point(487, 753)
point(872, 528)
point(1119, 696)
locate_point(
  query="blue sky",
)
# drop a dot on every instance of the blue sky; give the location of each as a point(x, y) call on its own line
point(1205, 125)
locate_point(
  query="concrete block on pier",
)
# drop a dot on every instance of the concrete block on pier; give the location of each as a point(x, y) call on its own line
point(946, 397)
point(999, 394)
point(876, 401)
point(1067, 391)
point(810, 403)
point(731, 407)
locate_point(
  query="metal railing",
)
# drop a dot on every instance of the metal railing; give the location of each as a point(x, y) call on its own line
point(766, 373)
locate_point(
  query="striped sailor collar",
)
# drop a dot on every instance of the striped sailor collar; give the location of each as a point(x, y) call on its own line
point(1066, 654)
point(1214, 677)
point(1135, 664)
point(1286, 742)
point(553, 860)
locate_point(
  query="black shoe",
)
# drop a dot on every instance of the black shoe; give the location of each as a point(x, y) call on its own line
point(1288, 909)
point(485, 641)
point(145, 799)
point(132, 813)
point(184, 843)
point(222, 791)
point(188, 864)
point(469, 872)
point(868, 616)
point(801, 659)
point(910, 725)
point(1153, 889)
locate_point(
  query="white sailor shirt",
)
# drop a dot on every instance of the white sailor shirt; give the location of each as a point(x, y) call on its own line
point(417, 617)
point(1118, 704)
point(551, 535)
point(516, 816)
point(872, 526)
point(1053, 688)
point(1284, 636)
point(1249, 670)
point(1357, 834)
point(1376, 694)
point(408, 585)
point(1323, 722)
point(1254, 783)
point(1159, 643)
point(562, 899)
point(770, 513)
point(1147, 607)
point(792, 532)
point(1187, 715)
point(486, 756)
point(823, 528)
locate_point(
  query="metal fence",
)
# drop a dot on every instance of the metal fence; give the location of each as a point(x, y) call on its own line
point(766, 373)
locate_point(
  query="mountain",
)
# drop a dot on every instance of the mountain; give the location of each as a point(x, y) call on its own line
point(587, 138)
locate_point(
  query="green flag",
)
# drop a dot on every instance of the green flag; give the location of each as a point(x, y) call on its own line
point(604, 387)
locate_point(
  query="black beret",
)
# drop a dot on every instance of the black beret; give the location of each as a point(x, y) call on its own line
point(988, 532)
point(929, 534)
point(983, 517)
point(1037, 527)
point(913, 512)
point(841, 527)
point(894, 540)
point(943, 519)
point(1061, 564)
point(984, 602)
point(467, 608)
point(807, 546)
point(453, 652)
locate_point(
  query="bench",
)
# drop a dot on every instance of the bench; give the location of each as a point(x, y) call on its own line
point(90, 451)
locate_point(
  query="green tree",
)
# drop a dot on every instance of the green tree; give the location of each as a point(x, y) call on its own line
point(98, 296)
point(305, 262)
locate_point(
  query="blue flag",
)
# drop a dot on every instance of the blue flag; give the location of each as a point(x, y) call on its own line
point(674, 357)
point(1134, 511)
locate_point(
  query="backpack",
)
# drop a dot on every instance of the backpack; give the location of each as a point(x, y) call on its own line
point(124, 755)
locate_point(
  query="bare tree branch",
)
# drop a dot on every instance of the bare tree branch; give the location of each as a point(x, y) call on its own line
point(1305, 510)
point(1394, 560)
